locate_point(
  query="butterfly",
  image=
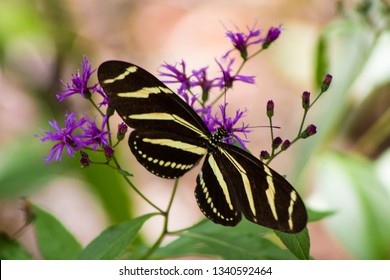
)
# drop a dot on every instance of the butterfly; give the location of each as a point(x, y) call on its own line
point(170, 138)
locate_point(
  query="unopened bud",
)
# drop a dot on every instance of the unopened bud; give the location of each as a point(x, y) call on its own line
point(270, 108)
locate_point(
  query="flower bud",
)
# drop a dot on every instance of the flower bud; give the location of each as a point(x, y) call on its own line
point(306, 100)
point(270, 108)
point(309, 131)
point(264, 155)
point(122, 129)
point(109, 152)
point(286, 144)
point(84, 160)
point(276, 143)
point(272, 35)
point(326, 82)
point(110, 110)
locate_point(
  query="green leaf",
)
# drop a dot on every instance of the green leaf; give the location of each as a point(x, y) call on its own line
point(10, 249)
point(298, 244)
point(113, 241)
point(124, 173)
point(315, 215)
point(321, 59)
point(245, 241)
point(54, 240)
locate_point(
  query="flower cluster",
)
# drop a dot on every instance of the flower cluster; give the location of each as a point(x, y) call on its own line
point(196, 86)
point(74, 136)
point(83, 133)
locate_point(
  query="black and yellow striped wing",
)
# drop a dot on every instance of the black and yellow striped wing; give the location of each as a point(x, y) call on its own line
point(247, 186)
point(169, 138)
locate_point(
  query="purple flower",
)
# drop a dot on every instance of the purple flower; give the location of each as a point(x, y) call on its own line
point(93, 136)
point(207, 117)
point(272, 35)
point(200, 77)
point(79, 83)
point(88, 134)
point(241, 41)
point(65, 137)
point(213, 123)
point(177, 76)
point(226, 81)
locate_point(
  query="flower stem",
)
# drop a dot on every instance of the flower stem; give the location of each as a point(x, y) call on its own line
point(164, 232)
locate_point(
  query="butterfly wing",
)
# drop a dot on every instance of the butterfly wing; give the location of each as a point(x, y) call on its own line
point(215, 194)
point(261, 194)
point(165, 126)
point(144, 102)
point(165, 154)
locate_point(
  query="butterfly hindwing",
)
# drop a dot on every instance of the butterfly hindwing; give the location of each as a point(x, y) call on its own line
point(164, 154)
point(264, 196)
point(215, 194)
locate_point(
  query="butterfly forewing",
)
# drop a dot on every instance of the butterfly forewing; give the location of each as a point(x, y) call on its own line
point(143, 101)
point(146, 104)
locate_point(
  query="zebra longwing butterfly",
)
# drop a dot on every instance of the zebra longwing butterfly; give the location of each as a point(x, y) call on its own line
point(169, 138)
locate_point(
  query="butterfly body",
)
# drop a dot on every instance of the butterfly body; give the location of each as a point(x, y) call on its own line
point(170, 138)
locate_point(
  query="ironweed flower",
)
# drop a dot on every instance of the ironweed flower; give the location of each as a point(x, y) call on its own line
point(76, 135)
point(65, 137)
point(93, 136)
point(79, 83)
point(203, 82)
point(241, 41)
point(227, 79)
point(272, 35)
point(177, 75)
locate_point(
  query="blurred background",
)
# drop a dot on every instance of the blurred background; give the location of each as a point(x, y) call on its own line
point(344, 168)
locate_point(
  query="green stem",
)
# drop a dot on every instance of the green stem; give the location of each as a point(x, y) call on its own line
point(164, 232)
point(117, 165)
